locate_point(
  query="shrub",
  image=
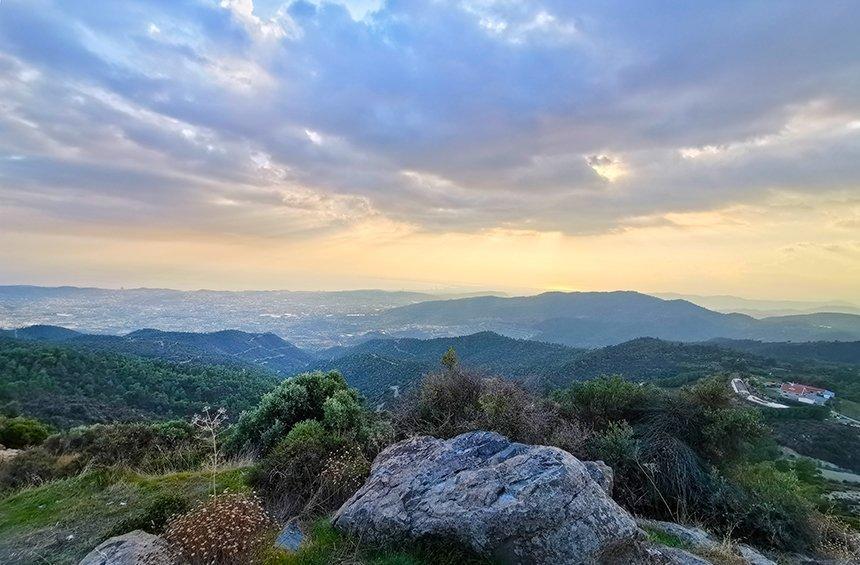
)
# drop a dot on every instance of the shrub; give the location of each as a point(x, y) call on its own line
point(614, 445)
point(20, 432)
point(445, 405)
point(147, 447)
point(712, 393)
point(228, 529)
point(324, 397)
point(604, 400)
point(666, 448)
point(33, 467)
point(512, 411)
point(776, 508)
point(312, 471)
point(154, 517)
point(455, 401)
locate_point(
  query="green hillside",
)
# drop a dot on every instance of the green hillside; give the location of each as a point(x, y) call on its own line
point(67, 386)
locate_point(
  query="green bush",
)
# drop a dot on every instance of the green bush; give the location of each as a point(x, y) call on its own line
point(605, 399)
point(615, 444)
point(159, 447)
point(20, 432)
point(668, 448)
point(324, 397)
point(154, 517)
point(776, 508)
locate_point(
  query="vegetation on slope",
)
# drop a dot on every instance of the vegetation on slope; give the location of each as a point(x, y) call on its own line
point(689, 453)
point(226, 347)
point(826, 351)
point(830, 441)
point(67, 387)
point(61, 521)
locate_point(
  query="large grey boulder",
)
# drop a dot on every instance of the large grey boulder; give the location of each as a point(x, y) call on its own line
point(133, 548)
point(516, 503)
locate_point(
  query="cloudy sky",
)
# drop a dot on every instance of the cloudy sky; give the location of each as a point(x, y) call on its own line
point(556, 144)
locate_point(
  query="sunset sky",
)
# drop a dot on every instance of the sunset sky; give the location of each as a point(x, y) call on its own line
point(708, 148)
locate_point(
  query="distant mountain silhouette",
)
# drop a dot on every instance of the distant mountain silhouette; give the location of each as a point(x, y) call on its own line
point(595, 319)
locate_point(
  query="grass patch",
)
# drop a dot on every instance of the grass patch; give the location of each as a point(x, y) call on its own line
point(62, 521)
point(325, 545)
point(720, 555)
point(665, 538)
point(849, 408)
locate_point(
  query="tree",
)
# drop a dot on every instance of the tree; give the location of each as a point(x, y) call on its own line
point(449, 360)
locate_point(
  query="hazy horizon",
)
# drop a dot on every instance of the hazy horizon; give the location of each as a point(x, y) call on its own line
point(462, 291)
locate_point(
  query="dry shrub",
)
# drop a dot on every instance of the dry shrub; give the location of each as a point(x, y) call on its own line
point(228, 529)
point(457, 401)
point(835, 539)
point(35, 466)
point(343, 474)
point(310, 476)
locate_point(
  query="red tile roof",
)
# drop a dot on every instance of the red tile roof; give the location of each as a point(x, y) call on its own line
point(800, 390)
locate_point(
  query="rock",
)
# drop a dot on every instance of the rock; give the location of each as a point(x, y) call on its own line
point(6, 454)
point(602, 474)
point(689, 535)
point(509, 501)
point(699, 539)
point(753, 556)
point(642, 553)
point(133, 548)
point(291, 537)
point(676, 556)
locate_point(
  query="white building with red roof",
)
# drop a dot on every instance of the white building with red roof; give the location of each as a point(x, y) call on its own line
point(805, 393)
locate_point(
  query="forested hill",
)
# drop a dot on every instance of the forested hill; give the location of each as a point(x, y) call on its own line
point(826, 351)
point(648, 359)
point(226, 347)
point(374, 367)
point(69, 386)
point(384, 368)
point(486, 350)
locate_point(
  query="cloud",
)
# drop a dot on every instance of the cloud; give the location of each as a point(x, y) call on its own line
point(452, 116)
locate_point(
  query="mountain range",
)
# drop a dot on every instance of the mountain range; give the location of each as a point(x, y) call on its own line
point(384, 368)
point(320, 320)
point(596, 319)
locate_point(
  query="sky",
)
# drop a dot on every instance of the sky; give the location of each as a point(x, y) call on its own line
point(696, 147)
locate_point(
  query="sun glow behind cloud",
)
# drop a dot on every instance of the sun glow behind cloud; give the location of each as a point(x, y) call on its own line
point(520, 145)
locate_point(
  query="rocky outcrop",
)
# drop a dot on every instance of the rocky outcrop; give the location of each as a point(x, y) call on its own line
point(513, 502)
point(133, 548)
point(602, 474)
point(676, 556)
point(698, 539)
point(752, 556)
